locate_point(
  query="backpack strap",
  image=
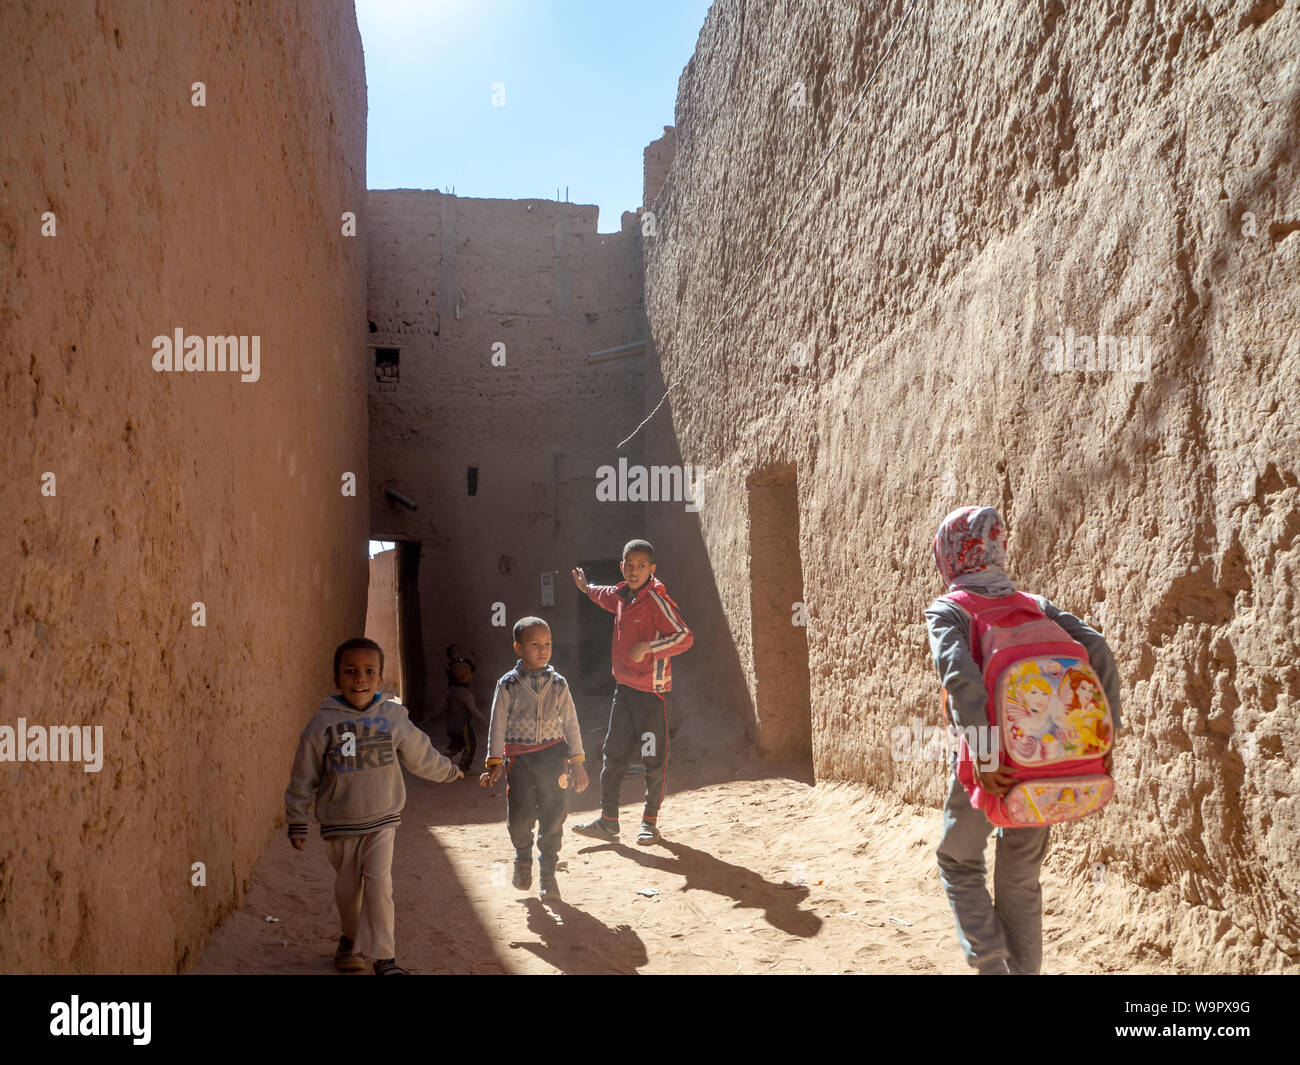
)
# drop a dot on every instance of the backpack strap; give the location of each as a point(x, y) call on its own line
point(952, 600)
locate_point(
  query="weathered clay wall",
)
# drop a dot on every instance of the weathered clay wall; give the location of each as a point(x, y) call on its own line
point(1018, 173)
point(171, 488)
point(455, 282)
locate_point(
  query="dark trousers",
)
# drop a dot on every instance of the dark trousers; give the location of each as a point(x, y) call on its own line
point(534, 798)
point(638, 731)
point(461, 738)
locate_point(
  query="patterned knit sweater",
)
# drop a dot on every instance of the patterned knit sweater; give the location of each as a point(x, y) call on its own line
point(532, 709)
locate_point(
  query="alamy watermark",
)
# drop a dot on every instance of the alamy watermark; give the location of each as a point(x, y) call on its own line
point(240, 354)
point(653, 484)
point(79, 1018)
point(920, 742)
point(1084, 353)
point(57, 743)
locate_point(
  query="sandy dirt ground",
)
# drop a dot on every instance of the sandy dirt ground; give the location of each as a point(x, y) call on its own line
point(758, 872)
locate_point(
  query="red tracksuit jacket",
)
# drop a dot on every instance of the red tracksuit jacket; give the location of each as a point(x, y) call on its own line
point(650, 617)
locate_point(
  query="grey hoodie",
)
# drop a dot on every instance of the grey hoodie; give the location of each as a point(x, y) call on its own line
point(350, 761)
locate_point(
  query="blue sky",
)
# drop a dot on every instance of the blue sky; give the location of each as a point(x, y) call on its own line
point(587, 86)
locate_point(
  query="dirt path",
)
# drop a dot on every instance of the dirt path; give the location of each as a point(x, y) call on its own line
point(758, 873)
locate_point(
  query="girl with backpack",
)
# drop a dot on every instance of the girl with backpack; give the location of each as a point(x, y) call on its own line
point(984, 635)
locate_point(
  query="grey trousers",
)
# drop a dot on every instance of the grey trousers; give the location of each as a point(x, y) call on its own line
point(999, 936)
point(363, 890)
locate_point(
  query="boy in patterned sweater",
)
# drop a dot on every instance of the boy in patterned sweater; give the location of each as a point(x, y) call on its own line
point(534, 735)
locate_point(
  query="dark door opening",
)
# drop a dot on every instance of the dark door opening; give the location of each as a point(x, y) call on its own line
point(410, 635)
point(783, 704)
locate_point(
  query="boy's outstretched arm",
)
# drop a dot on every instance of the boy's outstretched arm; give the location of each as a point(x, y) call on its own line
point(420, 756)
point(603, 595)
point(304, 778)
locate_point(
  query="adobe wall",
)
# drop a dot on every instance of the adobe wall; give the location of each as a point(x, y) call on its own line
point(455, 282)
point(1017, 173)
point(171, 488)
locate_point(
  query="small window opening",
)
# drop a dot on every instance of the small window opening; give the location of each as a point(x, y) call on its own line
point(386, 363)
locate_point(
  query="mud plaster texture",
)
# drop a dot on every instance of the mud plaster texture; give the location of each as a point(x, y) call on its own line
point(177, 488)
point(1017, 171)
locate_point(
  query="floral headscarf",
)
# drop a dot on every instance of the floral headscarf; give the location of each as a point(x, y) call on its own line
point(970, 550)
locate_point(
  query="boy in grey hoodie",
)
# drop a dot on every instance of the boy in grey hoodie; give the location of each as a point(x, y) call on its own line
point(349, 759)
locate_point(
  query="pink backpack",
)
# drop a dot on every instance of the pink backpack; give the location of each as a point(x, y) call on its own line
point(1049, 718)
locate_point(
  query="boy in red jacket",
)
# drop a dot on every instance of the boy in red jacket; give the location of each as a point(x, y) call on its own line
point(648, 631)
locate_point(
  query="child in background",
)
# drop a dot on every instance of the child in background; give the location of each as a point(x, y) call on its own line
point(349, 760)
point(535, 734)
point(454, 656)
point(461, 712)
point(1003, 934)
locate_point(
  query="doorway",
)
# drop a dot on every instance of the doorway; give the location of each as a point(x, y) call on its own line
point(595, 630)
point(393, 620)
point(778, 618)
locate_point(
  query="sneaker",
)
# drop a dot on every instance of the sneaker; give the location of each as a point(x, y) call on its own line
point(389, 967)
point(601, 828)
point(649, 834)
point(550, 890)
point(523, 878)
point(344, 960)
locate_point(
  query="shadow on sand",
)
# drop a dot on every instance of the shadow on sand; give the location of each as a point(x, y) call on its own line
point(576, 943)
point(701, 871)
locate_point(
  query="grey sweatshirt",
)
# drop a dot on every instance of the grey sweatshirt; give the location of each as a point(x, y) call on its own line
point(949, 629)
point(362, 790)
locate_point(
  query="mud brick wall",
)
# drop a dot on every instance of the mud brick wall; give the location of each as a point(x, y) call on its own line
point(1019, 177)
point(171, 488)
